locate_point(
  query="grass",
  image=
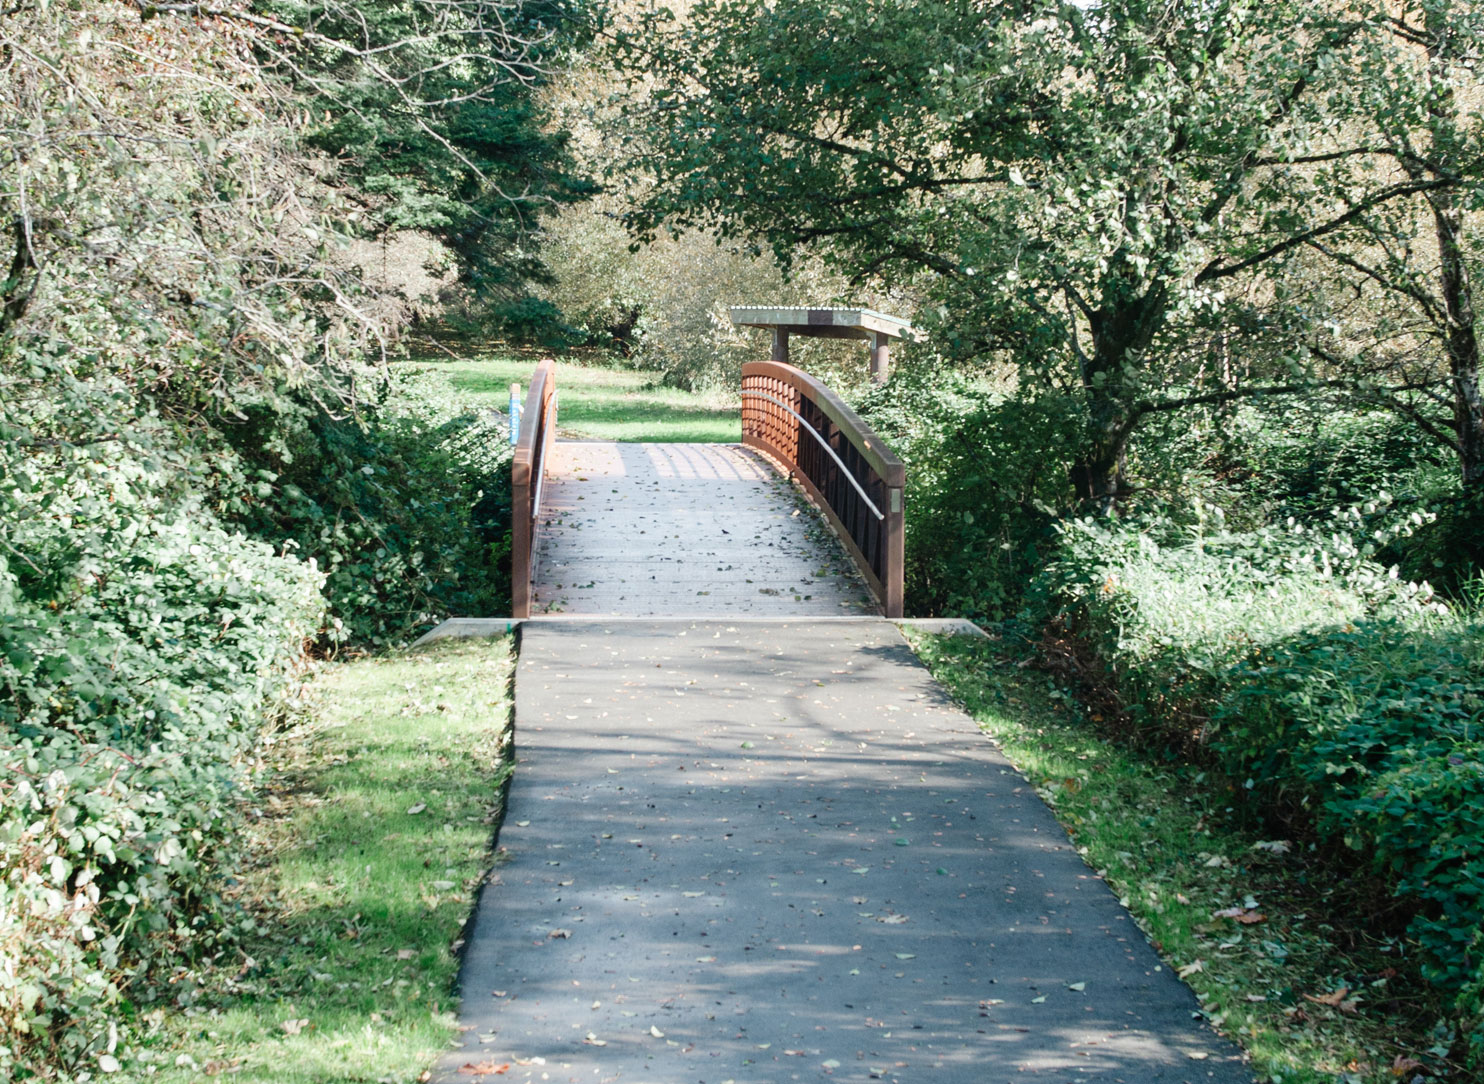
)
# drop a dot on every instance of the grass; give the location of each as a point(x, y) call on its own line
point(601, 401)
point(374, 835)
point(1166, 840)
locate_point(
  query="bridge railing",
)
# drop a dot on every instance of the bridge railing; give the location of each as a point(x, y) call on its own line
point(527, 473)
point(837, 458)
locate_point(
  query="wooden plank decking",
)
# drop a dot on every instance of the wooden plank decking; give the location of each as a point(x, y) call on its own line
point(684, 530)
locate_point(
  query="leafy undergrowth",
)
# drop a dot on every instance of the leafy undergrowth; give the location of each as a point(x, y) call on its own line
point(1283, 956)
point(372, 841)
point(601, 401)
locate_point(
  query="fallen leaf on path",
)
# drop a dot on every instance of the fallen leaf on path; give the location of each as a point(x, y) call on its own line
point(656, 1032)
point(892, 920)
point(563, 934)
point(484, 1068)
point(1077, 986)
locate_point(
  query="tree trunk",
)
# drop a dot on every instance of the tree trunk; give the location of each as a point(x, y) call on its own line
point(1461, 338)
point(1123, 330)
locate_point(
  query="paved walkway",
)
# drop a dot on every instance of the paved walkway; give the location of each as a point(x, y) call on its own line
point(683, 529)
point(768, 852)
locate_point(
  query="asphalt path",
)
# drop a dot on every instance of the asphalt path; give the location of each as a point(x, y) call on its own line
point(776, 851)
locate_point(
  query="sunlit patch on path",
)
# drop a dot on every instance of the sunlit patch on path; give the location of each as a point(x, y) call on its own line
point(683, 529)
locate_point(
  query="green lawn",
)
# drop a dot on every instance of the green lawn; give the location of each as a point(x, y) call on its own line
point(372, 840)
point(601, 402)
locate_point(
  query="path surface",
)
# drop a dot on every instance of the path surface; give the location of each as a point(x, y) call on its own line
point(683, 529)
point(773, 852)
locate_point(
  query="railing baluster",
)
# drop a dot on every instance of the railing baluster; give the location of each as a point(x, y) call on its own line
point(839, 460)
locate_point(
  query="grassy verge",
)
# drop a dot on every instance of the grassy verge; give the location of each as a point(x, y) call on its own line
point(372, 840)
point(1277, 952)
point(602, 402)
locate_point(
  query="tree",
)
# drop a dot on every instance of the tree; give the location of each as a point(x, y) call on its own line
point(1108, 192)
point(1412, 261)
point(430, 109)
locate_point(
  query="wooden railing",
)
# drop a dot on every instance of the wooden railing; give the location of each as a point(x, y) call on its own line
point(842, 464)
point(527, 473)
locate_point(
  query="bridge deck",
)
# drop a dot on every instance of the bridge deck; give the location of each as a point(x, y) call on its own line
point(684, 530)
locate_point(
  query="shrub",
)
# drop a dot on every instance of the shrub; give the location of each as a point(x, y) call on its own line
point(1168, 608)
point(405, 507)
point(1376, 731)
point(1345, 700)
point(141, 641)
point(986, 475)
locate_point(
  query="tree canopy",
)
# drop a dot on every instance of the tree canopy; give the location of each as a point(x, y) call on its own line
point(1115, 196)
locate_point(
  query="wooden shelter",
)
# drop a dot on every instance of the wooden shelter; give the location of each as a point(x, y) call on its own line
point(876, 328)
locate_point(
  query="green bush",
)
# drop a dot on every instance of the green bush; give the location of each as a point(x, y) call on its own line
point(1376, 731)
point(1168, 608)
point(141, 642)
point(1340, 698)
point(406, 507)
point(986, 476)
point(1448, 549)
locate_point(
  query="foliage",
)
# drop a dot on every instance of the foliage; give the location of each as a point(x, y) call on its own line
point(176, 271)
point(1116, 194)
point(1449, 550)
point(356, 931)
point(405, 506)
point(1346, 698)
point(986, 477)
point(141, 643)
point(1373, 729)
point(1169, 607)
point(431, 107)
point(665, 306)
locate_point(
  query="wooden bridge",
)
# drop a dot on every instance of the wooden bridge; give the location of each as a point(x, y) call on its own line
point(710, 529)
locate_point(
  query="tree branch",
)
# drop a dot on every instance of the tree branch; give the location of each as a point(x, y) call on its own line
point(1214, 271)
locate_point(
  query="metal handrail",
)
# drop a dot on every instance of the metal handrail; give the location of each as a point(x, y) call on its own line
point(849, 474)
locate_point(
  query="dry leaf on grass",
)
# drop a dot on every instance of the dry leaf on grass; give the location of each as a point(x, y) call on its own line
point(1245, 915)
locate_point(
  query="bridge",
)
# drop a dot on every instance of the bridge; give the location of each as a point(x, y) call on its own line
point(686, 529)
point(748, 838)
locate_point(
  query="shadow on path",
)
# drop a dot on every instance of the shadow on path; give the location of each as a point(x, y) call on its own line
point(776, 852)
